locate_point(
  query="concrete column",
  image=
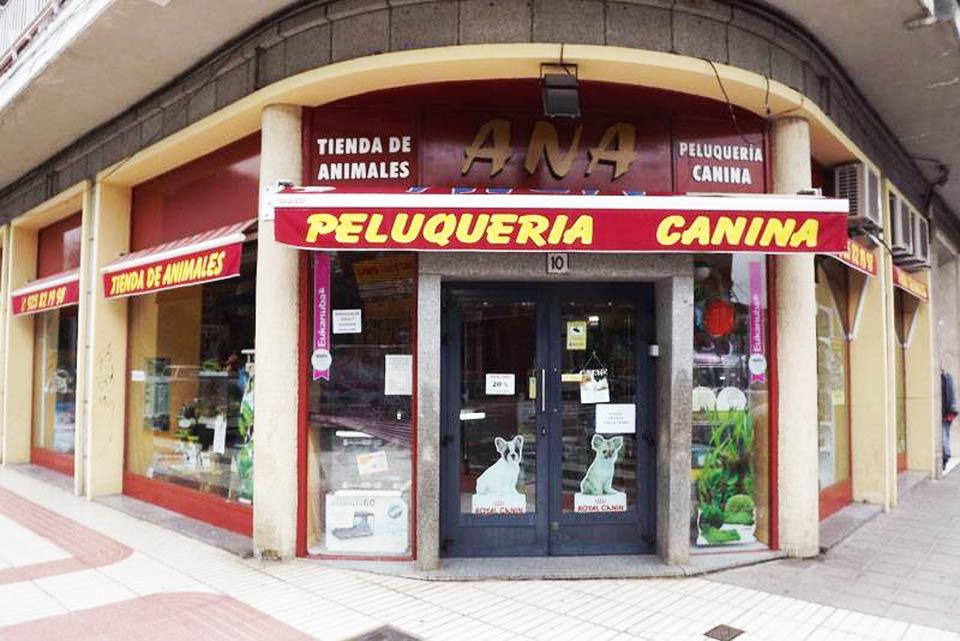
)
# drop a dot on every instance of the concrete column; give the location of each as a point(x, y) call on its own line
point(923, 390)
point(428, 421)
point(277, 351)
point(870, 385)
point(674, 322)
point(796, 312)
point(4, 304)
point(103, 345)
point(18, 365)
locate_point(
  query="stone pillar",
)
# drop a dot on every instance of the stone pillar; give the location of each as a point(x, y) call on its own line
point(4, 304)
point(796, 312)
point(870, 386)
point(277, 351)
point(18, 364)
point(923, 389)
point(674, 321)
point(428, 421)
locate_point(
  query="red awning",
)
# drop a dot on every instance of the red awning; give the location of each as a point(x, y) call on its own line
point(58, 290)
point(504, 220)
point(202, 258)
point(910, 284)
point(859, 257)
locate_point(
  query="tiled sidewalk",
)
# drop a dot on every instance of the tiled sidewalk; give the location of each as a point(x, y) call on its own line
point(172, 587)
point(904, 564)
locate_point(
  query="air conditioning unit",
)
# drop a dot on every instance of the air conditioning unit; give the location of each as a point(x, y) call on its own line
point(901, 226)
point(920, 258)
point(861, 186)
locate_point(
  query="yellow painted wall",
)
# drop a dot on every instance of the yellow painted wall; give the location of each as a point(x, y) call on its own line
point(922, 389)
point(869, 392)
point(4, 304)
point(18, 366)
point(107, 346)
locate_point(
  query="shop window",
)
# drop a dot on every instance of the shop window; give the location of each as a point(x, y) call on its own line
point(730, 465)
point(190, 391)
point(360, 420)
point(833, 361)
point(55, 380)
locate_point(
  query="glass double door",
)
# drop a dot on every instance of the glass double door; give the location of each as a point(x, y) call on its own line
point(548, 420)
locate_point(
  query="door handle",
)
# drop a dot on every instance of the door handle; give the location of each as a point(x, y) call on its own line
point(543, 389)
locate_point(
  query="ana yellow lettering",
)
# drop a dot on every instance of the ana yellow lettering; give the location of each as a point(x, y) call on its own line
point(469, 236)
point(531, 229)
point(777, 231)
point(320, 225)
point(373, 235)
point(580, 231)
point(350, 227)
point(500, 228)
point(698, 232)
point(408, 235)
point(665, 230)
point(808, 234)
point(728, 230)
point(439, 229)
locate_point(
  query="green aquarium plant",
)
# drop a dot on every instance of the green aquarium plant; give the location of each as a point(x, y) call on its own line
point(714, 536)
point(726, 481)
point(245, 455)
point(711, 517)
point(739, 510)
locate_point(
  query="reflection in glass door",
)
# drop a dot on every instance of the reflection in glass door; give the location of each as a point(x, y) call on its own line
point(548, 421)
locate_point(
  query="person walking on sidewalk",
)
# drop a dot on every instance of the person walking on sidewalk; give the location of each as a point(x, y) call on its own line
point(948, 403)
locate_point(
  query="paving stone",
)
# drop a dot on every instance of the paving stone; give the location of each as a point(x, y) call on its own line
point(423, 25)
point(346, 8)
point(701, 37)
point(787, 68)
point(271, 64)
point(308, 49)
point(234, 84)
point(748, 51)
point(302, 20)
point(568, 21)
point(483, 21)
point(707, 8)
point(746, 19)
point(202, 102)
point(638, 26)
point(361, 35)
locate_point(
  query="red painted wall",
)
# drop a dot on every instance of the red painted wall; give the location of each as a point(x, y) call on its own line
point(442, 120)
point(58, 246)
point(218, 189)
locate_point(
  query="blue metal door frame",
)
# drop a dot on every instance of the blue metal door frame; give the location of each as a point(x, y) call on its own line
point(549, 531)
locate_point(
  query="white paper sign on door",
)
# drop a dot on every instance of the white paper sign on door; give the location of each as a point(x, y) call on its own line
point(500, 384)
point(372, 462)
point(594, 386)
point(347, 321)
point(398, 375)
point(616, 418)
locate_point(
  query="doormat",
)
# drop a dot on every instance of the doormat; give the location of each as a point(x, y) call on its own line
point(386, 633)
point(723, 633)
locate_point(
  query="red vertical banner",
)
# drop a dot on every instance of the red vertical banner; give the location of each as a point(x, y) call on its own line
point(758, 360)
point(321, 358)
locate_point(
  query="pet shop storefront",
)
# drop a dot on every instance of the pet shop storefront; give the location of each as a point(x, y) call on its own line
point(188, 284)
point(51, 301)
point(501, 303)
